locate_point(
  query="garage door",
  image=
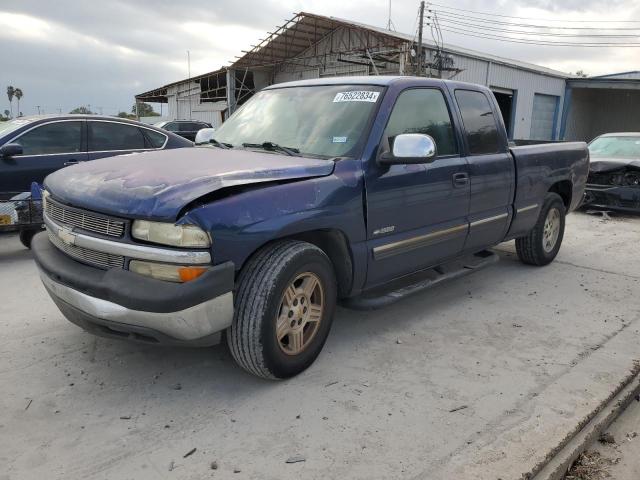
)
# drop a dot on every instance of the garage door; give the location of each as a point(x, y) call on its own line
point(543, 117)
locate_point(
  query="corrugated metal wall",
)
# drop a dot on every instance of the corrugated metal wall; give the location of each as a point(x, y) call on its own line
point(524, 83)
point(178, 98)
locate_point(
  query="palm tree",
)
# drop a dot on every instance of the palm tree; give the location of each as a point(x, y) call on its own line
point(18, 94)
point(10, 93)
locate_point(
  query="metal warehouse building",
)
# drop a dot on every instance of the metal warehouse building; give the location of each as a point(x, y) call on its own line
point(597, 105)
point(536, 102)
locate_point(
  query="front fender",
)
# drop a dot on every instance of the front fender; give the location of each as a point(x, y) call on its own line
point(242, 222)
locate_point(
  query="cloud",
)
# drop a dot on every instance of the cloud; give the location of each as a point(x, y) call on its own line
point(73, 52)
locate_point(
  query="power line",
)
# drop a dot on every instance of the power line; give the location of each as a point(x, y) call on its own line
point(526, 25)
point(544, 34)
point(530, 18)
point(534, 42)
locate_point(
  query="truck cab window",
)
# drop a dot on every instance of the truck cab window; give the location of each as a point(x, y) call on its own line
point(423, 110)
point(479, 122)
point(59, 137)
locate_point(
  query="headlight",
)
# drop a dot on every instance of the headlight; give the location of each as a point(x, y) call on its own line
point(170, 234)
point(163, 271)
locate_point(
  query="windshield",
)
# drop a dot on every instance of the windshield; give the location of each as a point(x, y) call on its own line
point(613, 147)
point(11, 125)
point(325, 121)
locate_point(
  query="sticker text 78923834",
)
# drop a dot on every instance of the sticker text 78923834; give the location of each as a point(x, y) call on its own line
point(356, 96)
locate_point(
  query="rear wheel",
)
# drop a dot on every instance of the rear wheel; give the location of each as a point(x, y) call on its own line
point(541, 245)
point(284, 305)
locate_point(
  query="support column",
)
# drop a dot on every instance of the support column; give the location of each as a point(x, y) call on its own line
point(231, 91)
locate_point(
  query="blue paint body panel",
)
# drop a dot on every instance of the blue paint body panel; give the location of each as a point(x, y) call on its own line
point(158, 185)
point(247, 199)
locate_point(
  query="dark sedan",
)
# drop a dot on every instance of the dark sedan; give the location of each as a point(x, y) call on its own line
point(33, 147)
point(614, 176)
point(185, 128)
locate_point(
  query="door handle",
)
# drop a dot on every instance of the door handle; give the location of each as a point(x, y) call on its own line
point(71, 162)
point(460, 179)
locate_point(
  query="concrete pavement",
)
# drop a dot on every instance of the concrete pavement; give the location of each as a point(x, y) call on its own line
point(484, 377)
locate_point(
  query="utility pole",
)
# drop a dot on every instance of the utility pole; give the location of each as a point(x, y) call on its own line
point(38, 107)
point(390, 25)
point(420, 28)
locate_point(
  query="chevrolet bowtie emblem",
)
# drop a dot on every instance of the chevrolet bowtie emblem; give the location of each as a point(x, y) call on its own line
point(67, 236)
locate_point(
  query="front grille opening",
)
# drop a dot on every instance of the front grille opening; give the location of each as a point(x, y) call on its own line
point(91, 257)
point(84, 220)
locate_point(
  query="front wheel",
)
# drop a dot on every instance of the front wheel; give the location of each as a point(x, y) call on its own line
point(285, 299)
point(541, 245)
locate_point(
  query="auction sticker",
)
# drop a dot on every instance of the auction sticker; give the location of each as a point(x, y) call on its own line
point(356, 96)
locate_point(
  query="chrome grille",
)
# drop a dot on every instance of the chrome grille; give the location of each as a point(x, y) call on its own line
point(85, 220)
point(92, 257)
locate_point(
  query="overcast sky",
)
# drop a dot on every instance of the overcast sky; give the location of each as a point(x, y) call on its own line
point(66, 53)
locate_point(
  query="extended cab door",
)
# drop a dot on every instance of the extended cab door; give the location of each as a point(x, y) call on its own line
point(45, 148)
point(417, 214)
point(491, 170)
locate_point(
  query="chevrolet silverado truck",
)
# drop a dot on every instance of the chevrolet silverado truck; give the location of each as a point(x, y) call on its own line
point(313, 192)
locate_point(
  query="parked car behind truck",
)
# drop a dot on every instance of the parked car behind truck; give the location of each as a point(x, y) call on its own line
point(316, 191)
point(614, 176)
point(185, 128)
point(33, 147)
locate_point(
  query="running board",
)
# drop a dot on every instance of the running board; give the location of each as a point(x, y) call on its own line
point(397, 290)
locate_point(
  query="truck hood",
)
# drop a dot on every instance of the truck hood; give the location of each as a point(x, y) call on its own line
point(160, 184)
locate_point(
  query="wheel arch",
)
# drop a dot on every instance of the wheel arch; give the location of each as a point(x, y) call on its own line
point(334, 243)
point(564, 188)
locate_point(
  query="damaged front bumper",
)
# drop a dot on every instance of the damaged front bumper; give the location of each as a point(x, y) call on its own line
point(622, 198)
point(118, 303)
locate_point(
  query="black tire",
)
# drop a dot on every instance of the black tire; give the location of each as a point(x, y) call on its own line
point(259, 293)
point(531, 248)
point(26, 235)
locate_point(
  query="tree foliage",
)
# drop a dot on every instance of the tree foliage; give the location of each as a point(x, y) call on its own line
point(144, 110)
point(81, 110)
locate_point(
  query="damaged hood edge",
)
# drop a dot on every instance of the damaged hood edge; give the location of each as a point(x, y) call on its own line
point(603, 164)
point(158, 185)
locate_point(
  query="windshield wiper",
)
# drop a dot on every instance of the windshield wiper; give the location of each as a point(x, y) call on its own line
point(274, 147)
point(218, 144)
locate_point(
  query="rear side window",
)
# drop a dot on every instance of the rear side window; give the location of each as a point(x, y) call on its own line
point(106, 136)
point(479, 122)
point(190, 127)
point(423, 110)
point(59, 137)
point(156, 139)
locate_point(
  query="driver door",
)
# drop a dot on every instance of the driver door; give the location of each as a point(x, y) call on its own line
point(417, 214)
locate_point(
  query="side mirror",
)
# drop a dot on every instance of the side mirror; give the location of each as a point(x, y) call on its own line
point(10, 150)
point(204, 135)
point(410, 148)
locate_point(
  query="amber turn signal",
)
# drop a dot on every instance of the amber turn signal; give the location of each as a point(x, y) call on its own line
point(190, 273)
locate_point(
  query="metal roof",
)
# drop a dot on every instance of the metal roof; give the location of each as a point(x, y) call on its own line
point(305, 29)
point(159, 94)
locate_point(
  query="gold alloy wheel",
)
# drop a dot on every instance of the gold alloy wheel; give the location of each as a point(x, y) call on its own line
point(300, 313)
point(551, 230)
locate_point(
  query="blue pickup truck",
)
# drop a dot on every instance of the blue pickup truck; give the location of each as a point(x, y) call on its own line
point(314, 192)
